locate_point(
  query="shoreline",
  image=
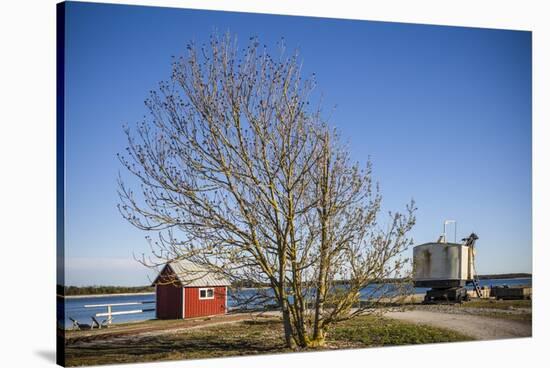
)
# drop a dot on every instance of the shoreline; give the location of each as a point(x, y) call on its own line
point(103, 295)
point(245, 288)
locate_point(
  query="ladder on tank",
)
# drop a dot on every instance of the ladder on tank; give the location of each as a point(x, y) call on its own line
point(469, 242)
point(475, 282)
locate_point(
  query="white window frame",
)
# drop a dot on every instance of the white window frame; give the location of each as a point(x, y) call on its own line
point(206, 290)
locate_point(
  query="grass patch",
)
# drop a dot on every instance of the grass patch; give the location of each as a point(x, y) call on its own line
point(497, 304)
point(520, 317)
point(514, 310)
point(262, 336)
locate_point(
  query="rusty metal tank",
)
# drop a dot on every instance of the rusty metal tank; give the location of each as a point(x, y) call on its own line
point(441, 264)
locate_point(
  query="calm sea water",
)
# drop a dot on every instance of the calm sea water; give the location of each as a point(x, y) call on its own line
point(75, 307)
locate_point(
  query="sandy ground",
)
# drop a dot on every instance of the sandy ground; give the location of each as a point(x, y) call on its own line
point(482, 328)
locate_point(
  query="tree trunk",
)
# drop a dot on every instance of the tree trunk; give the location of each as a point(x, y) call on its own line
point(318, 337)
point(287, 323)
point(318, 333)
point(289, 340)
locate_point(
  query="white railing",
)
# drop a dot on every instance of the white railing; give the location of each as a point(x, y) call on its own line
point(109, 314)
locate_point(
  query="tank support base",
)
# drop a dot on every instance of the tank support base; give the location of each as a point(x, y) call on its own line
point(455, 295)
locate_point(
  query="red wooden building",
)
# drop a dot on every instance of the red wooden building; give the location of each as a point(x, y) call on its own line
point(186, 290)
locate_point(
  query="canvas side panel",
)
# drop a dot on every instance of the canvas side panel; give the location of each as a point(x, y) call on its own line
point(60, 183)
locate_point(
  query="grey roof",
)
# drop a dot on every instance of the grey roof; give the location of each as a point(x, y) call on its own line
point(193, 275)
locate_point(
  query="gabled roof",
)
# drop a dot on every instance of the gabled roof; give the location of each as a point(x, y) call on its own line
point(190, 274)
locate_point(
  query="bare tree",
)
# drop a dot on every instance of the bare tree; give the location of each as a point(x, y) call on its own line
point(237, 173)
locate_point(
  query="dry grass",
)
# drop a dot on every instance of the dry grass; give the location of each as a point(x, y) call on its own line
point(243, 338)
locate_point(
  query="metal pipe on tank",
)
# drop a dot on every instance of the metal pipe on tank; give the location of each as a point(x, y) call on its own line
point(445, 223)
point(470, 262)
point(461, 254)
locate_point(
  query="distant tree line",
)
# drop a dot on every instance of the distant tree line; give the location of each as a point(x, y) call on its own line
point(90, 290)
point(505, 276)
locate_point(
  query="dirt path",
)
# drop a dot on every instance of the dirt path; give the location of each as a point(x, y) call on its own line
point(155, 327)
point(482, 328)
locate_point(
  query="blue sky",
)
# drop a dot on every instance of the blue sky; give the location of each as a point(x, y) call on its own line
point(443, 112)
